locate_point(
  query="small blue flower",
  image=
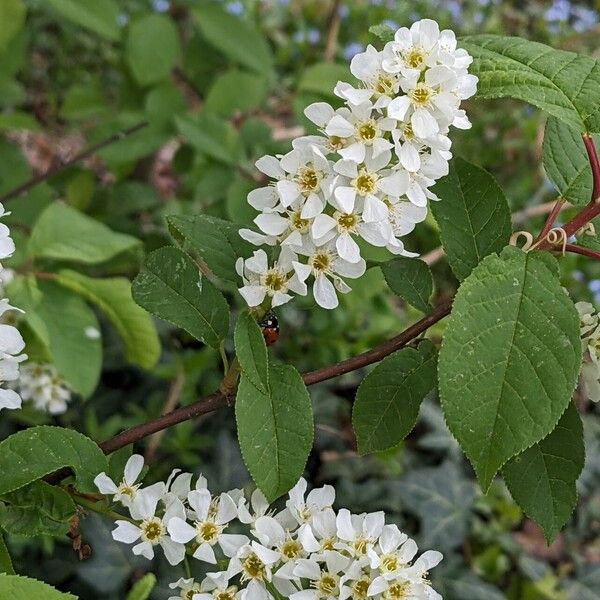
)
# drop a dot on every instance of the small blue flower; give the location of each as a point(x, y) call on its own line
point(235, 8)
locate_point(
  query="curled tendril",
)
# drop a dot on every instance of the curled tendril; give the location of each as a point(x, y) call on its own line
point(555, 236)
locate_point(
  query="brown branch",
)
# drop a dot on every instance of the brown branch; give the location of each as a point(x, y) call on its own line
point(220, 399)
point(333, 30)
point(594, 163)
point(37, 179)
point(583, 251)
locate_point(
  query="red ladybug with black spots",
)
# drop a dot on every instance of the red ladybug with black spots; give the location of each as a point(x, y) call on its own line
point(270, 329)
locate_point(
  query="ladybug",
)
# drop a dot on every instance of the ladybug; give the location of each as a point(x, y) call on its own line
point(270, 329)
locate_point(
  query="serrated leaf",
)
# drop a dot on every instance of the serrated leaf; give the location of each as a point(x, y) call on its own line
point(6, 565)
point(211, 239)
point(566, 162)
point(88, 241)
point(275, 430)
point(473, 215)
point(542, 478)
point(16, 587)
point(251, 352)
point(36, 509)
point(442, 497)
point(153, 48)
point(113, 297)
point(410, 279)
point(564, 84)
point(219, 28)
point(31, 454)
point(143, 588)
point(510, 358)
point(171, 286)
point(388, 400)
point(100, 16)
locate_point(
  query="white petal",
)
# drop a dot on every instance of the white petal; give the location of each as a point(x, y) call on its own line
point(253, 294)
point(347, 248)
point(324, 292)
point(410, 158)
point(270, 166)
point(263, 198)
point(230, 543)
point(200, 502)
point(322, 225)
point(345, 197)
point(375, 210)
point(398, 108)
point(144, 549)
point(271, 223)
point(423, 123)
point(9, 399)
point(174, 553)
point(289, 191)
point(319, 113)
point(355, 152)
point(206, 553)
point(313, 206)
point(340, 127)
point(181, 531)
point(126, 532)
point(105, 484)
point(133, 468)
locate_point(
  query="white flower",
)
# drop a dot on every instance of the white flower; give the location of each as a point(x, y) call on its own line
point(215, 586)
point(211, 517)
point(324, 579)
point(588, 317)
point(324, 263)
point(188, 588)
point(11, 345)
point(258, 504)
point(7, 246)
point(318, 500)
point(126, 491)
point(358, 533)
point(321, 533)
point(261, 281)
point(254, 563)
point(152, 530)
point(42, 384)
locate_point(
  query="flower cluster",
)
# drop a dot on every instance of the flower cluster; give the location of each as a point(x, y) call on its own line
point(306, 551)
point(11, 341)
point(367, 177)
point(44, 387)
point(590, 337)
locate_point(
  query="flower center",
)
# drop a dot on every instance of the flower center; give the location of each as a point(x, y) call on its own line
point(152, 530)
point(290, 549)
point(253, 567)
point(321, 261)
point(207, 532)
point(228, 594)
point(274, 281)
point(327, 584)
point(327, 544)
point(298, 223)
point(595, 344)
point(346, 222)
point(415, 58)
point(365, 183)
point(384, 85)
point(389, 563)
point(421, 95)
point(336, 142)
point(408, 133)
point(360, 545)
point(309, 179)
point(367, 131)
point(127, 490)
point(189, 594)
point(360, 587)
point(398, 591)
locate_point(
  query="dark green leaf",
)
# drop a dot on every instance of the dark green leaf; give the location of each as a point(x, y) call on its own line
point(251, 352)
point(99, 16)
point(388, 400)
point(510, 358)
point(171, 286)
point(542, 478)
point(16, 587)
point(31, 454)
point(275, 430)
point(473, 216)
point(6, 565)
point(12, 17)
point(411, 279)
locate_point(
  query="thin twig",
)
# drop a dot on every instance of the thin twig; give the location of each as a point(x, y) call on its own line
point(171, 402)
point(595, 164)
point(583, 251)
point(333, 30)
point(549, 223)
point(37, 179)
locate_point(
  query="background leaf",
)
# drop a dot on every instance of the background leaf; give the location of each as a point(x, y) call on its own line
point(12, 18)
point(275, 429)
point(23, 588)
point(542, 478)
point(236, 91)
point(510, 358)
point(411, 279)
point(6, 565)
point(473, 215)
point(143, 588)
point(99, 16)
point(171, 286)
point(388, 400)
point(35, 452)
point(563, 84)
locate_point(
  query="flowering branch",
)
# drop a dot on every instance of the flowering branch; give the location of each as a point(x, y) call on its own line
point(37, 179)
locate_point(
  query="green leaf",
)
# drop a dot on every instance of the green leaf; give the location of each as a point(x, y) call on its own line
point(411, 279)
point(564, 84)
point(566, 162)
point(211, 135)
point(542, 478)
point(113, 297)
point(6, 565)
point(213, 240)
point(473, 215)
point(99, 16)
point(321, 78)
point(510, 358)
point(235, 38)
point(171, 286)
point(37, 509)
point(275, 430)
point(442, 497)
point(251, 352)
point(388, 400)
point(88, 241)
point(12, 18)
point(383, 32)
point(153, 48)
point(62, 322)
point(236, 91)
point(16, 587)
point(31, 454)
point(143, 588)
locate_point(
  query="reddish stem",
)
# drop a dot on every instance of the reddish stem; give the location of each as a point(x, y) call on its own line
point(583, 251)
point(551, 218)
point(594, 163)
